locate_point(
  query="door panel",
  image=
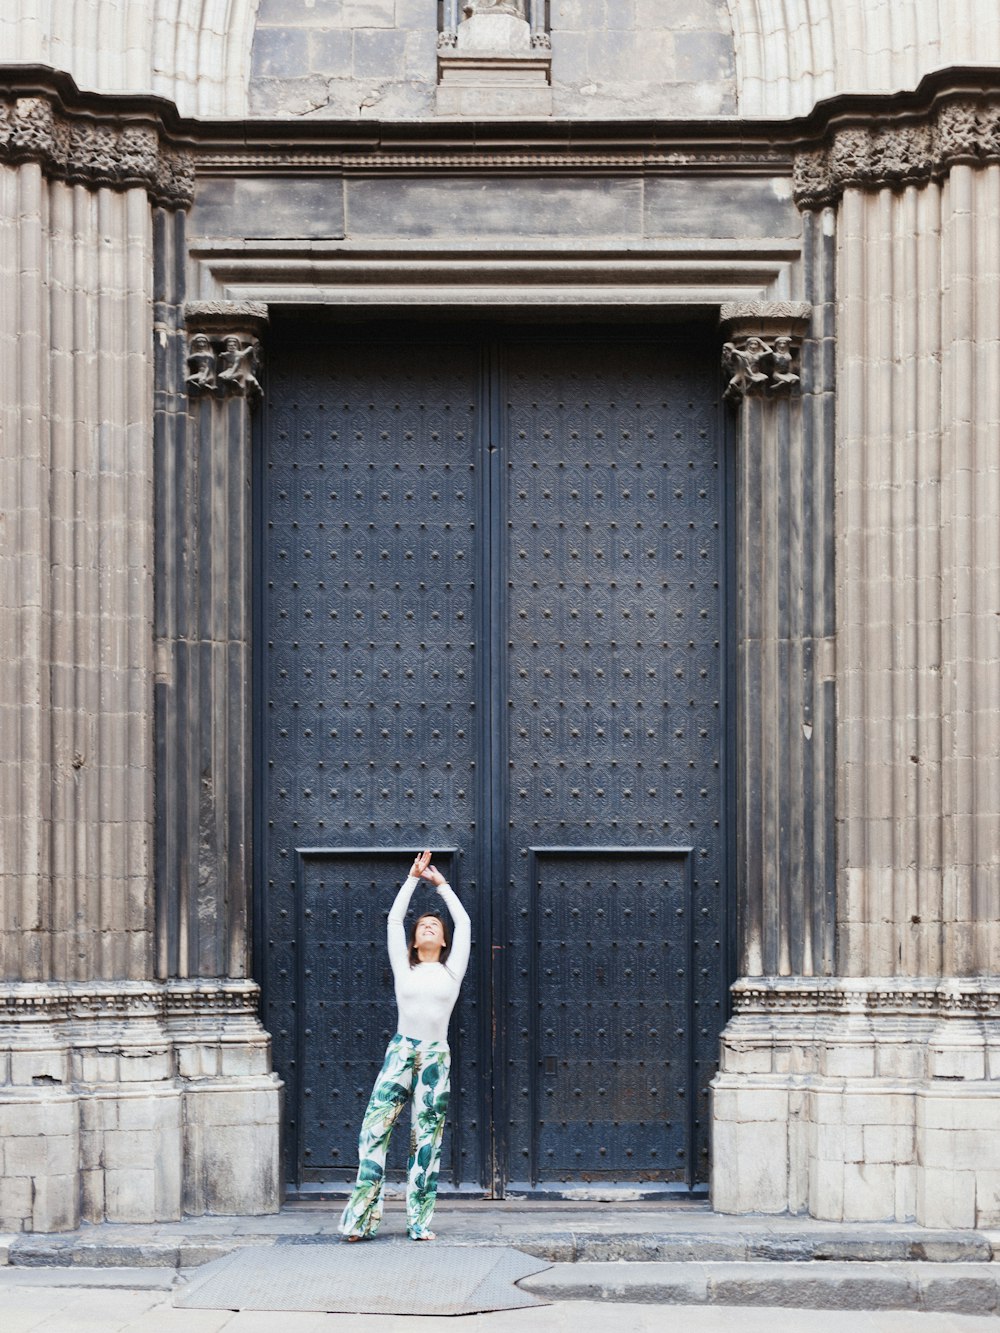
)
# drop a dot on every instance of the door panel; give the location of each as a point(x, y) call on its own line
point(372, 698)
point(614, 732)
point(491, 619)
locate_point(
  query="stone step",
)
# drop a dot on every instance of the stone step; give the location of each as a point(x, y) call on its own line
point(956, 1288)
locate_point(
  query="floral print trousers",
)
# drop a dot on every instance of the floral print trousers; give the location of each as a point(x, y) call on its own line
point(413, 1071)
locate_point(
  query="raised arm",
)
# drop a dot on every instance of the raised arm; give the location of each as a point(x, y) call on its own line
point(399, 953)
point(458, 957)
point(395, 929)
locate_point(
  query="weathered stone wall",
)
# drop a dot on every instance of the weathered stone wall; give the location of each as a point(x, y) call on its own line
point(378, 58)
point(786, 54)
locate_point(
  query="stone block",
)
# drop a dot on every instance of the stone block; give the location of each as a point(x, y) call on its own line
point(412, 16)
point(703, 57)
point(888, 1143)
point(877, 1106)
point(896, 1059)
point(198, 1060)
point(369, 13)
point(945, 1197)
point(268, 208)
point(571, 58)
point(232, 1151)
point(869, 1192)
point(280, 52)
point(956, 1061)
point(46, 1154)
point(34, 1068)
point(55, 1203)
point(94, 1066)
point(755, 1105)
point(244, 1061)
point(750, 1168)
point(746, 1058)
point(988, 1197)
point(16, 1195)
point(826, 1190)
point(138, 1066)
point(849, 1060)
point(331, 53)
point(379, 54)
point(494, 209)
point(130, 1196)
point(679, 208)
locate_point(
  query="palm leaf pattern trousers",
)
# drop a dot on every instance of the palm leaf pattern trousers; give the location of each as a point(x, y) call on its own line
point(412, 1071)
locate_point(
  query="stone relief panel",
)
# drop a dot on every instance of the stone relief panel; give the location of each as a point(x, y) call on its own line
point(381, 59)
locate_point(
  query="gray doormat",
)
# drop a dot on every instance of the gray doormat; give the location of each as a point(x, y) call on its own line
point(369, 1278)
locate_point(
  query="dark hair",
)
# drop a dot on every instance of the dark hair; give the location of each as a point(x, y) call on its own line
point(414, 956)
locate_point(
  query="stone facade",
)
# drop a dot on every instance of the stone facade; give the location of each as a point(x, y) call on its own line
point(168, 171)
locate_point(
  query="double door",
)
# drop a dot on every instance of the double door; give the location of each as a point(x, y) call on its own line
point(491, 621)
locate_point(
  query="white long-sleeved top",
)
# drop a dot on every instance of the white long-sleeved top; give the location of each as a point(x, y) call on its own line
point(426, 993)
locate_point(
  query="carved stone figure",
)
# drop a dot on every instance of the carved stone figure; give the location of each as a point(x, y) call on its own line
point(201, 365)
point(515, 8)
point(781, 364)
point(236, 368)
point(743, 367)
point(754, 368)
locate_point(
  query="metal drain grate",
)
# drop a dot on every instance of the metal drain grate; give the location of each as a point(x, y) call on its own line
point(368, 1278)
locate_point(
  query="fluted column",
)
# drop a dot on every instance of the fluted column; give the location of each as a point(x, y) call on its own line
point(919, 585)
point(207, 396)
point(784, 609)
point(76, 797)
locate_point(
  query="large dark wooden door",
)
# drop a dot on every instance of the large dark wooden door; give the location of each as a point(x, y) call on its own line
point(492, 621)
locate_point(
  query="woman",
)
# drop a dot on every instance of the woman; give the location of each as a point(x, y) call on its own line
point(428, 973)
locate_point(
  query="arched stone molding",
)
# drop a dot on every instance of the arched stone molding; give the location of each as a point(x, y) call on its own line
point(193, 52)
point(790, 54)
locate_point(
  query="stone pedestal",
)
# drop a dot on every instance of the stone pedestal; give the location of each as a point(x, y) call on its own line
point(134, 1103)
point(869, 1099)
point(494, 69)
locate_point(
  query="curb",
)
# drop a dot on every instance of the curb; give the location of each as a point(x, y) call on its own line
point(815, 1285)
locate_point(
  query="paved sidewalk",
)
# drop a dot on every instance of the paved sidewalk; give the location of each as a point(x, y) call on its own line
point(562, 1232)
point(42, 1301)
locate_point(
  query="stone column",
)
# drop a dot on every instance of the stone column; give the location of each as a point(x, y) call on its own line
point(874, 1093)
point(203, 642)
point(106, 1073)
point(779, 389)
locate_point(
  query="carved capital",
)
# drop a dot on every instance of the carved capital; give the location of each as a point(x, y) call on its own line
point(760, 355)
point(85, 148)
point(900, 148)
point(867, 997)
point(224, 351)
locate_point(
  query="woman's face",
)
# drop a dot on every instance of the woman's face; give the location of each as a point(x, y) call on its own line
point(428, 934)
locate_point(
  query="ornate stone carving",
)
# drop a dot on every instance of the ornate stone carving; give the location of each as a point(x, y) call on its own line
point(760, 356)
point(515, 8)
point(867, 997)
point(907, 148)
point(224, 352)
point(49, 1002)
point(86, 149)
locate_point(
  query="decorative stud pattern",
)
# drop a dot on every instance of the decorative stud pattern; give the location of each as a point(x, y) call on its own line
point(613, 701)
point(370, 711)
point(607, 595)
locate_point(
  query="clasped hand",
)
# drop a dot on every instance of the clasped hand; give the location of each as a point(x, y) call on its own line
point(422, 869)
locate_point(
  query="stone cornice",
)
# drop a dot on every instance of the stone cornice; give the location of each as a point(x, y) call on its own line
point(167, 1001)
point(899, 146)
point(867, 997)
point(94, 143)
